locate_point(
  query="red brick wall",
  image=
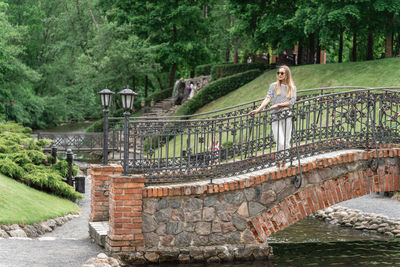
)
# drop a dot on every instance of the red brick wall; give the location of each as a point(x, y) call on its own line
point(126, 204)
point(320, 196)
point(99, 203)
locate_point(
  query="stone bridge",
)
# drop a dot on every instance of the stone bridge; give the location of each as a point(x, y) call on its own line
point(231, 218)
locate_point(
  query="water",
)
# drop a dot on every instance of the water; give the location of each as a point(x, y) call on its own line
point(72, 127)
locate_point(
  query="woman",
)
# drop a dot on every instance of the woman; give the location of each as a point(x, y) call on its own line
point(282, 94)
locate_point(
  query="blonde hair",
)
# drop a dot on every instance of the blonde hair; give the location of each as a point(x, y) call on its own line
point(288, 81)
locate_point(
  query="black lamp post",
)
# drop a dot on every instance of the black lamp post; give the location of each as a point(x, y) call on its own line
point(127, 98)
point(70, 159)
point(105, 96)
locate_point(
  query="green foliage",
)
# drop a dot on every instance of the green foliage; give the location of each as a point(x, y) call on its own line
point(62, 167)
point(203, 69)
point(96, 127)
point(224, 70)
point(21, 158)
point(11, 169)
point(215, 90)
point(160, 95)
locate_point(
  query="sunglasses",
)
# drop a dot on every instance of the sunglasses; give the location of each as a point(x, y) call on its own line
point(280, 73)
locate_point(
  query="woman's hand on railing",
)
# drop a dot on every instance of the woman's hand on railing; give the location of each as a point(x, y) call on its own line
point(253, 112)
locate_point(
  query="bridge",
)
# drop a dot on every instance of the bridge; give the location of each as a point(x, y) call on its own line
point(174, 197)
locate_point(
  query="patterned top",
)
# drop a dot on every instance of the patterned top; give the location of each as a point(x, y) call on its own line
point(278, 99)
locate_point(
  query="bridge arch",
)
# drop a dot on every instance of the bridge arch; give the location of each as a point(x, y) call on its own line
point(232, 218)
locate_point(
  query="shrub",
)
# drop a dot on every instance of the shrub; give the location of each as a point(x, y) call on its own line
point(22, 158)
point(62, 167)
point(203, 69)
point(11, 169)
point(160, 95)
point(224, 70)
point(215, 90)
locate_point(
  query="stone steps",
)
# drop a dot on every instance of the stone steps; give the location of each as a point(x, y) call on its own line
point(98, 232)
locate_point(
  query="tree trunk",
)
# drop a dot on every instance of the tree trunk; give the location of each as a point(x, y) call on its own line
point(389, 36)
point(354, 51)
point(318, 53)
point(192, 74)
point(370, 51)
point(340, 46)
point(311, 54)
point(228, 53)
point(172, 75)
point(388, 46)
point(397, 50)
point(159, 83)
point(205, 12)
point(300, 55)
point(146, 86)
point(235, 54)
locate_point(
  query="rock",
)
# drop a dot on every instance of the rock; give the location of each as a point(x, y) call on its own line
point(233, 238)
point(175, 203)
point(174, 228)
point(210, 201)
point(193, 204)
point(149, 224)
point(216, 239)
point(31, 231)
point(166, 241)
point(255, 208)
point(59, 221)
point(51, 223)
point(203, 228)
point(13, 227)
point(208, 214)
point(152, 257)
point(19, 233)
point(235, 198)
point(113, 262)
point(184, 258)
point(102, 256)
point(247, 237)
point(216, 227)
point(183, 239)
point(243, 210)
point(150, 206)
point(239, 222)
point(227, 227)
point(194, 216)
point(5, 228)
point(163, 215)
point(162, 204)
point(250, 193)
point(3, 234)
point(328, 210)
point(151, 239)
point(267, 197)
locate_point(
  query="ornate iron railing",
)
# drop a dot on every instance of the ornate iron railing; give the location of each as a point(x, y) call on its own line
point(79, 142)
point(231, 142)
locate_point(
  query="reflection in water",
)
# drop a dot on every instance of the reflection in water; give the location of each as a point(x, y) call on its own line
point(74, 127)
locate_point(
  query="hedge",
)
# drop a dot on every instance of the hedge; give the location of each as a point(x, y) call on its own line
point(224, 70)
point(203, 69)
point(215, 90)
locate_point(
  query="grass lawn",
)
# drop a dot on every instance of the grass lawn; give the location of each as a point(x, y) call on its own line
point(22, 204)
point(376, 73)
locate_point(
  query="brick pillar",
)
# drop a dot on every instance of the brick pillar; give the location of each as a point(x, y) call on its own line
point(126, 205)
point(99, 210)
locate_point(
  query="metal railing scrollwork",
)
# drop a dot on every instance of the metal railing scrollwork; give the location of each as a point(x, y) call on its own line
point(231, 142)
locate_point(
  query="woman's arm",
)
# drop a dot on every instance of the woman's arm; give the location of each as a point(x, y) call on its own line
point(281, 105)
point(263, 105)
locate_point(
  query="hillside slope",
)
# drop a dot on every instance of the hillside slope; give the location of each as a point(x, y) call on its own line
point(20, 203)
point(377, 73)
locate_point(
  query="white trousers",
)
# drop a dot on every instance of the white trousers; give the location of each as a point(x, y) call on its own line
point(282, 130)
